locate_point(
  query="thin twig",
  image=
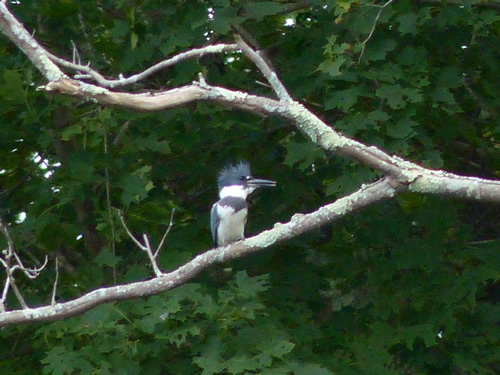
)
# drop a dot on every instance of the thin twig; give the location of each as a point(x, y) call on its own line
point(4, 294)
point(381, 8)
point(170, 225)
point(118, 138)
point(136, 241)
point(10, 244)
point(201, 80)
point(17, 292)
point(53, 300)
point(108, 204)
point(265, 69)
point(32, 273)
point(76, 55)
point(152, 259)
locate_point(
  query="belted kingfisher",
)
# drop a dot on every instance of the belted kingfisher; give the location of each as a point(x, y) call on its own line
point(229, 214)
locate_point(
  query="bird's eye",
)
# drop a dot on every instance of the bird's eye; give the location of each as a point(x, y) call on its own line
point(245, 178)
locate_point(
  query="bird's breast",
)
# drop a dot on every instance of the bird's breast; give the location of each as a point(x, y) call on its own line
point(231, 224)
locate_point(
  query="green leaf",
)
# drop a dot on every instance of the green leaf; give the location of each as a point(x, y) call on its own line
point(276, 347)
point(12, 87)
point(413, 95)
point(332, 67)
point(378, 116)
point(135, 186)
point(344, 99)
point(152, 142)
point(407, 24)
point(61, 361)
point(210, 360)
point(300, 368)
point(107, 258)
point(181, 336)
point(225, 18)
point(377, 50)
point(402, 129)
point(247, 287)
point(443, 95)
point(304, 153)
point(426, 332)
point(241, 363)
point(134, 38)
point(262, 9)
point(451, 77)
point(413, 56)
point(432, 159)
point(348, 182)
point(393, 94)
point(99, 314)
point(71, 131)
point(120, 29)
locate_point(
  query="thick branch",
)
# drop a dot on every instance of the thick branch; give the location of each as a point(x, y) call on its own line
point(266, 70)
point(15, 31)
point(299, 224)
point(417, 178)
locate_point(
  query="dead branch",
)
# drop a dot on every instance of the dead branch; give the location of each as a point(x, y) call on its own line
point(146, 247)
point(111, 83)
point(381, 190)
point(12, 262)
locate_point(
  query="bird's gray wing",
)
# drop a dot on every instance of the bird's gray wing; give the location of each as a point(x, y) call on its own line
point(214, 223)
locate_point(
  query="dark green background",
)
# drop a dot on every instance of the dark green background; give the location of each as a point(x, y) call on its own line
point(404, 287)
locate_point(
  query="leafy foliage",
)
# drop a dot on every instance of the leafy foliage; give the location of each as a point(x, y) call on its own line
point(407, 287)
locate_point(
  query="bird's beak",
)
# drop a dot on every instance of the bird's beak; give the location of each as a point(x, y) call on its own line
point(257, 182)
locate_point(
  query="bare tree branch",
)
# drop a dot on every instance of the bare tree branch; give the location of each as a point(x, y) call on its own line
point(381, 8)
point(129, 233)
point(111, 83)
point(54, 288)
point(299, 224)
point(151, 256)
point(162, 242)
point(418, 179)
point(9, 255)
point(15, 31)
point(266, 70)
point(146, 247)
point(5, 291)
point(108, 206)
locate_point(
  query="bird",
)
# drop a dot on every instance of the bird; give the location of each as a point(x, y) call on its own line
point(229, 214)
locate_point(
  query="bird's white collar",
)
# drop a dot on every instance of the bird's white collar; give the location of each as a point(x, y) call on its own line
point(234, 191)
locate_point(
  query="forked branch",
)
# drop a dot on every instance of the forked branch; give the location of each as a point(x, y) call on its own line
point(11, 262)
point(146, 246)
